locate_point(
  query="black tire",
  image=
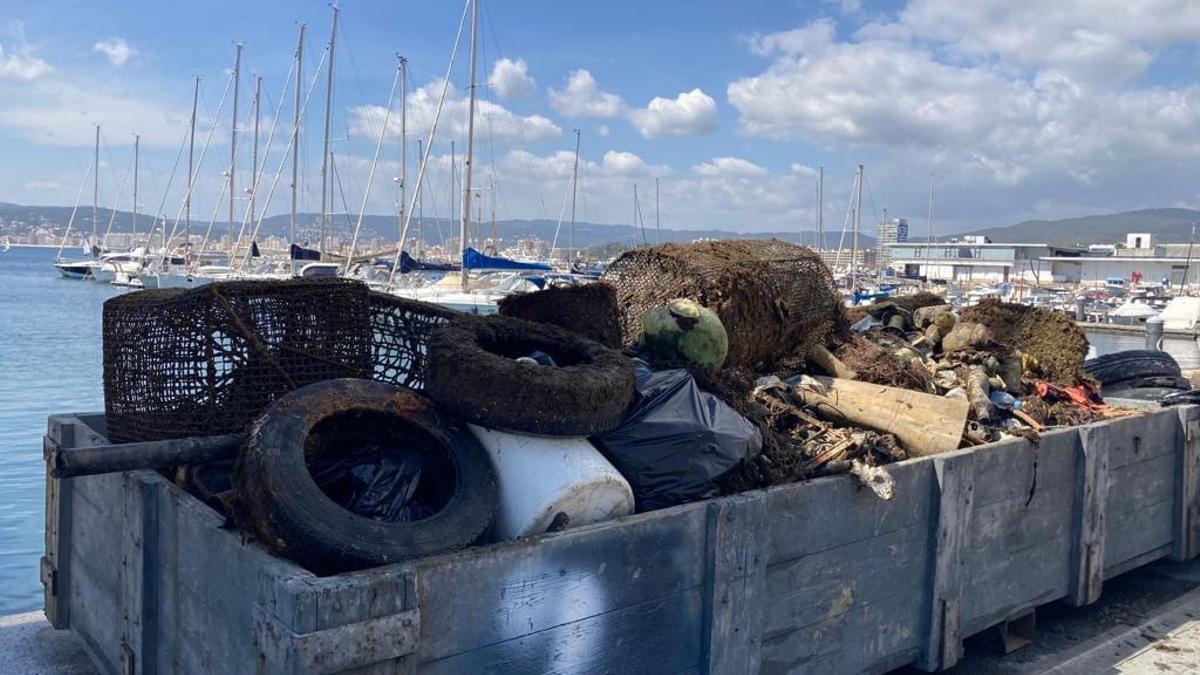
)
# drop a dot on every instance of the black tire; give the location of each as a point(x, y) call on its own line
point(473, 373)
point(1131, 364)
point(279, 501)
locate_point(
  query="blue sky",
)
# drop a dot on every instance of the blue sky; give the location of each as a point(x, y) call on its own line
point(1017, 110)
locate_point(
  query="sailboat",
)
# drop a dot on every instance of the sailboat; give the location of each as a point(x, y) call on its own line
point(83, 269)
point(495, 276)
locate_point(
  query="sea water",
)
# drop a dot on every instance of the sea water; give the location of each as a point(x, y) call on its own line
point(49, 363)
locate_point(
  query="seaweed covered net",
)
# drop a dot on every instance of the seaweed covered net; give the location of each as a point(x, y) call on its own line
point(589, 310)
point(775, 299)
point(209, 360)
point(1058, 343)
point(400, 330)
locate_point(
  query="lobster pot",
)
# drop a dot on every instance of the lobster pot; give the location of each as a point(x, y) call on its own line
point(400, 330)
point(775, 299)
point(208, 360)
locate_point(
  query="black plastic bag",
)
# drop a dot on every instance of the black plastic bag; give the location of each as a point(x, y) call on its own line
point(676, 440)
point(374, 482)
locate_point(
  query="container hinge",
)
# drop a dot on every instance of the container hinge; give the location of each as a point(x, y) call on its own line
point(128, 665)
point(49, 576)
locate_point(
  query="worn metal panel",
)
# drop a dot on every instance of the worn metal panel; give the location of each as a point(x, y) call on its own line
point(809, 590)
point(955, 495)
point(1187, 486)
point(1140, 514)
point(657, 636)
point(801, 522)
point(870, 636)
point(735, 584)
point(495, 594)
point(1139, 437)
point(856, 600)
point(1091, 499)
point(1022, 529)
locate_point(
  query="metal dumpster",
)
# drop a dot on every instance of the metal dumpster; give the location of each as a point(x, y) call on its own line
point(817, 577)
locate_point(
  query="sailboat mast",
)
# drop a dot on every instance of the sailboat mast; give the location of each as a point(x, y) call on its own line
point(421, 203)
point(96, 194)
point(574, 191)
point(254, 157)
point(454, 195)
point(404, 139)
point(657, 222)
point(187, 197)
point(326, 186)
point(237, 77)
point(137, 140)
point(929, 227)
point(857, 218)
point(820, 208)
point(466, 212)
point(296, 138)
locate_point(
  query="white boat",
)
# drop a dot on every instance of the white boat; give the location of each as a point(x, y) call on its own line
point(76, 269)
point(1132, 313)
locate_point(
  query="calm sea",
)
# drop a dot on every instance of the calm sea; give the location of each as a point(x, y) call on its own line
point(49, 363)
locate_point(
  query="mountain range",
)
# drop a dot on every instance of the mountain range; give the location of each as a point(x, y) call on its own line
point(1168, 225)
point(387, 227)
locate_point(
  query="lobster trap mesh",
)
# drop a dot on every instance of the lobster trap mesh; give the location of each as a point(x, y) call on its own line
point(775, 299)
point(209, 360)
point(400, 330)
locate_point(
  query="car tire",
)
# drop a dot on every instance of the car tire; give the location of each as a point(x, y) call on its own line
point(473, 373)
point(279, 501)
point(1132, 364)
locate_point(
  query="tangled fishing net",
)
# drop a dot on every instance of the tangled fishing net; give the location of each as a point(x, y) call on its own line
point(209, 360)
point(774, 298)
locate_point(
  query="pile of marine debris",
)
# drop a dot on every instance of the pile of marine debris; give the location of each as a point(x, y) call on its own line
point(689, 370)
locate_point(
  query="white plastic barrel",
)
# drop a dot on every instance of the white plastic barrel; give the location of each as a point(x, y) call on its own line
point(542, 477)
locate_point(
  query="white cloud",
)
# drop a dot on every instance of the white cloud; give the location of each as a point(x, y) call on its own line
point(1012, 103)
point(493, 121)
point(689, 114)
point(729, 166)
point(19, 64)
point(61, 112)
point(582, 97)
point(116, 50)
point(603, 131)
point(511, 79)
point(43, 186)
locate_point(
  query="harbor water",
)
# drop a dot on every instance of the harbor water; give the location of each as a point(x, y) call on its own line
point(50, 362)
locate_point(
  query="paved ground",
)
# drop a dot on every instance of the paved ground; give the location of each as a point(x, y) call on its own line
point(1147, 622)
point(29, 645)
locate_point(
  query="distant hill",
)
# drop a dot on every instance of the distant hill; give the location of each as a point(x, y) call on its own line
point(1169, 226)
point(387, 227)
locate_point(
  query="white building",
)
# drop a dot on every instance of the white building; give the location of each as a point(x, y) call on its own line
point(974, 259)
point(888, 232)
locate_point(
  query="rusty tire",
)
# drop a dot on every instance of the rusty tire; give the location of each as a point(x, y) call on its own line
point(281, 504)
point(473, 373)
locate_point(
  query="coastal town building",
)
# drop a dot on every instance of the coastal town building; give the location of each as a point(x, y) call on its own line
point(972, 259)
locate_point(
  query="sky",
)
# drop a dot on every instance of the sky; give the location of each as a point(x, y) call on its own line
point(1010, 109)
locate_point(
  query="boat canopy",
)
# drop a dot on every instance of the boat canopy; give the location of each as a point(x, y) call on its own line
point(474, 260)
